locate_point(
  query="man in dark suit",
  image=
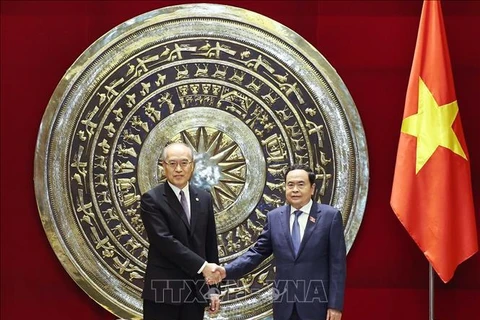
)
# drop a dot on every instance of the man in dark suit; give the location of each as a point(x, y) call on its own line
point(180, 225)
point(307, 241)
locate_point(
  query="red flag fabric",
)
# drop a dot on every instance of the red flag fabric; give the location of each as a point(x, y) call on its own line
point(432, 192)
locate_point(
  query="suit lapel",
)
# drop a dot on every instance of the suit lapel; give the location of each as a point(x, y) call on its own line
point(285, 221)
point(194, 204)
point(313, 219)
point(172, 200)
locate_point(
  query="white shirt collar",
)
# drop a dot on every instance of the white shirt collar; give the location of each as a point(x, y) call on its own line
point(305, 209)
point(176, 190)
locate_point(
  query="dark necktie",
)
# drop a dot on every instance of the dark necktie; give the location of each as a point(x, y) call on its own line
point(184, 203)
point(296, 231)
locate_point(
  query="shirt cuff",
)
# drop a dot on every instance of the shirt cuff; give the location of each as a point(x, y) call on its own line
point(202, 267)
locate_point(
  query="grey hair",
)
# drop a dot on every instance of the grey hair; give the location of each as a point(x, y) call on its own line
point(164, 153)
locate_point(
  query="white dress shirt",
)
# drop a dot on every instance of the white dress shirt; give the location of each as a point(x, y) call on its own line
point(186, 191)
point(302, 219)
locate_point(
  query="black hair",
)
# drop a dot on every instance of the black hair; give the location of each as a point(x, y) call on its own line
point(311, 174)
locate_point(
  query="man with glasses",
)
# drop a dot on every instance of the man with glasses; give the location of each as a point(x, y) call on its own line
point(306, 239)
point(180, 225)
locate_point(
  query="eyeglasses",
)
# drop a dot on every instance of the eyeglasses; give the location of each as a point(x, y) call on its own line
point(173, 164)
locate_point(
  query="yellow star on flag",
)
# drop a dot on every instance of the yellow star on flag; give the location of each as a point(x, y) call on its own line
point(432, 126)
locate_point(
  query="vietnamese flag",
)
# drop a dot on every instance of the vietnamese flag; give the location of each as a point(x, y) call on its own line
point(432, 192)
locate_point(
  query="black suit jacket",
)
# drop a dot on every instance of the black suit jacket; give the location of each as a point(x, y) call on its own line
point(314, 278)
point(177, 249)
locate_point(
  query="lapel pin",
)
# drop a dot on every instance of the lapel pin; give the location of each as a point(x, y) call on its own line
point(312, 219)
point(196, 199)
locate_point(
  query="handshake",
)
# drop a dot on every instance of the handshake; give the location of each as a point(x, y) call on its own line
point(213, 273)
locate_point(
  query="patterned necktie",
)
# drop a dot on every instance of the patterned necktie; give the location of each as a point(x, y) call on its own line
point(296, 231)
point(183, 201)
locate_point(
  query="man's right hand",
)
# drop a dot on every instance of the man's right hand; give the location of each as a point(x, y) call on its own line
point(213, 273)
point(210, 274)
point(221, 272)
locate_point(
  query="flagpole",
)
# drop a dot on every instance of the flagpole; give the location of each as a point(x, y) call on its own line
point(431, 298)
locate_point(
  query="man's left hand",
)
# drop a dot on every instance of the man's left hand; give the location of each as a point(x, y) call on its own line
point(214, 303)
point(333, 314)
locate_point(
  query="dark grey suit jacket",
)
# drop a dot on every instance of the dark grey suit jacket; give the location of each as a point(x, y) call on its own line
point(177, 249)
point(314, 279)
